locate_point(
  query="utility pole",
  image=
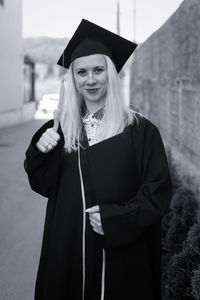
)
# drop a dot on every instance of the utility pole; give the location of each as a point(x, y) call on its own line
point(134, 20)
point(118, 18)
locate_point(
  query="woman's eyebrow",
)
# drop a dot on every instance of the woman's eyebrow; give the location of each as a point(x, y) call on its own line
point(84, 68)
point(99, 66)
point(79, 68)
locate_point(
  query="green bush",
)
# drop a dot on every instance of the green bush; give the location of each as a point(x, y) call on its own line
point(182, 265)
point(195, 282)
point(180, 242)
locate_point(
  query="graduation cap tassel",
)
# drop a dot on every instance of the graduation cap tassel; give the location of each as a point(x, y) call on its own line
point(62, 90)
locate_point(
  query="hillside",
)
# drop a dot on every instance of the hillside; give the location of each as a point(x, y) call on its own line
point(44, 49)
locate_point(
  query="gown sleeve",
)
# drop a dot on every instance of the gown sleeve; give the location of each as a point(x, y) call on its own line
point(124, 223)
point(43, 168)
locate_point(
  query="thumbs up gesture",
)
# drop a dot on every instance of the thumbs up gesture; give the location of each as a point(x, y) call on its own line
point(49, 139)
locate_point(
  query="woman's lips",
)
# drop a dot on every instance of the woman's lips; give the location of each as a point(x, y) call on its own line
point(93, 90)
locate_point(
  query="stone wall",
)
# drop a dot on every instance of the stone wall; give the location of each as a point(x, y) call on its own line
point(165, 81)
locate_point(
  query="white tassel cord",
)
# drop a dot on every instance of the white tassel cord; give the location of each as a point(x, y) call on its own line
point(84, 221)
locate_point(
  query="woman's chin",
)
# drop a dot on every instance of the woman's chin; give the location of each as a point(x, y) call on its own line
point(93, 98)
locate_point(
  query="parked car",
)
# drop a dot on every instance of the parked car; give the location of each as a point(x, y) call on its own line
point(48, 103)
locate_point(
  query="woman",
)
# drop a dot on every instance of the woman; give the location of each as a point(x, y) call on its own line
point(104, 171)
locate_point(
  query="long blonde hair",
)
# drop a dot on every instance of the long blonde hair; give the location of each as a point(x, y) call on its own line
point(117, 115)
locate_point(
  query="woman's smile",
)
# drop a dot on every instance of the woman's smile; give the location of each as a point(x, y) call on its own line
point(92, 90)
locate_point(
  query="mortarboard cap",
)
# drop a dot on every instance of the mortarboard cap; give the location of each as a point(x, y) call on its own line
point(90, 38)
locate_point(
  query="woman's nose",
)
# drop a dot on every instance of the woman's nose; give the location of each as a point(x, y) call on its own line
point(91, 79)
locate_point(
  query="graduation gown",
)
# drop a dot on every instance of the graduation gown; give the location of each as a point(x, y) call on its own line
point(127, 175)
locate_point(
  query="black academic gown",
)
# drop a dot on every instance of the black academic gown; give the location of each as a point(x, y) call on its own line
point(127, 175)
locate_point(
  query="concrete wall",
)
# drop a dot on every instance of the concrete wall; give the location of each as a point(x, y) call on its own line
point(12, 109)
point(165, 81)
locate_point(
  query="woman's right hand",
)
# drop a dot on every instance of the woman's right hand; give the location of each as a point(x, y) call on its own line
point(49, 139)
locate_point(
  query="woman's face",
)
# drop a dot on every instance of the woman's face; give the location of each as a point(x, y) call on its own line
point(91, 77)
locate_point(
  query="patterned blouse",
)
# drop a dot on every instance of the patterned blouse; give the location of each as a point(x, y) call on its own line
point(92, 123)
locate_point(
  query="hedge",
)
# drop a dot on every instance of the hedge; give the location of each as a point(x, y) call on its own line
point(181, 242)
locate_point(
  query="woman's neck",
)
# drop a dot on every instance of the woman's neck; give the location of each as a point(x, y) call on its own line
point(93, 107)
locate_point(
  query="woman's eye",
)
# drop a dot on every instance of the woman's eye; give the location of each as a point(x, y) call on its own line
point(98, 70)
point(81, 72)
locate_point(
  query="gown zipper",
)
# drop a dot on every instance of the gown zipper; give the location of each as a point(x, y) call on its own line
point(83, 237)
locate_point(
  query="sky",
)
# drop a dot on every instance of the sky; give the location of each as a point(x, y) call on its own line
point(60, 18)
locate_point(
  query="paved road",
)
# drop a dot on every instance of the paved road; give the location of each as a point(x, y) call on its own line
point(22, 214)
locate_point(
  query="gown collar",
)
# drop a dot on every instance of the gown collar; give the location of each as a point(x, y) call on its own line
point(86, 113)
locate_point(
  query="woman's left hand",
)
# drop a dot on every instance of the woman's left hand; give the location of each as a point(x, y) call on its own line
point(95, 219)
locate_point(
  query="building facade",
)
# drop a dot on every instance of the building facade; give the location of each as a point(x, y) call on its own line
point(13, 110)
